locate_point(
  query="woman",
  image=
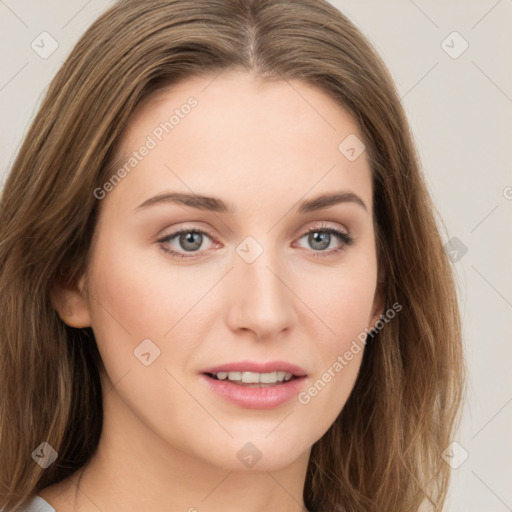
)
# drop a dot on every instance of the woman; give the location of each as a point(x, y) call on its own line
point(223, 283)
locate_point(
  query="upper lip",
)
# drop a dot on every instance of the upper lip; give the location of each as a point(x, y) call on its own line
point(254, 366)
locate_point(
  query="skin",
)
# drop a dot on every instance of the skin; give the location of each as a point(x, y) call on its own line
point(168, 442)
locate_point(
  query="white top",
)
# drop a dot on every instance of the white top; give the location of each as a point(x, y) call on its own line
point(39, 505)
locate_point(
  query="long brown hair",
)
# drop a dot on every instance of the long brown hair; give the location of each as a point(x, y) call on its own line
point(383, 452)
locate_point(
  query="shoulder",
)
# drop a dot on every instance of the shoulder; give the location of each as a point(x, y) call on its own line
point(60, 496)
point(39, 505)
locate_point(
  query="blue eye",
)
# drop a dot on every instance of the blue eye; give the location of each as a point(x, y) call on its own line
point(320, 238)
point(191, 241)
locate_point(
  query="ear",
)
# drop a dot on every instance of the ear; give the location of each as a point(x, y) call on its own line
point(70, 302)
point(378, 303)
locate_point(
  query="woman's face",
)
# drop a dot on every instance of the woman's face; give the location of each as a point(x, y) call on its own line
point(202, 263)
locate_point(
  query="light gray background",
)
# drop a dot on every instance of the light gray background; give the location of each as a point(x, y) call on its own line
point(460, 113)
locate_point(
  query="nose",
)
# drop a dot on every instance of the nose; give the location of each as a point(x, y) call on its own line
point(261, 297)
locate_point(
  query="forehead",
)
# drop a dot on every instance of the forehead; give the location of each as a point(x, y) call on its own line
point(234, 131)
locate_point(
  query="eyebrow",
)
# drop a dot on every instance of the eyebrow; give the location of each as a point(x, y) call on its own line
point(213, 204)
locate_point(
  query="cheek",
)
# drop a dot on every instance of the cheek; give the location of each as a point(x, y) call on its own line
point(128, 304)
point(132, 301)
point(342, 303)
point(134, 291)
point(136, 297)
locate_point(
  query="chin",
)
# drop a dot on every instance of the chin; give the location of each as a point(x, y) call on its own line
point(257, 453)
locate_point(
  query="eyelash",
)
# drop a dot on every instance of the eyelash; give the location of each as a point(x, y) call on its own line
point(343, 237)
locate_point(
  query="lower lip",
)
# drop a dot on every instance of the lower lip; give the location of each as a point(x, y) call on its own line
point(256, 397)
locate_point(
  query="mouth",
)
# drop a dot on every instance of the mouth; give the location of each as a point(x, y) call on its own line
point(254, 379)
point(254, 385)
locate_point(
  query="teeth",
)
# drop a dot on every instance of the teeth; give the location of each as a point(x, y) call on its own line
point(251, 377)
point(255, 378)
point(266, 378)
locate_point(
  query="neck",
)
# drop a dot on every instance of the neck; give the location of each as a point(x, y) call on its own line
point(135, 469)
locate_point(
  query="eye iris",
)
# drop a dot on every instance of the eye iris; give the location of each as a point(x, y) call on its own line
point(189, 237)
point(315, 237)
